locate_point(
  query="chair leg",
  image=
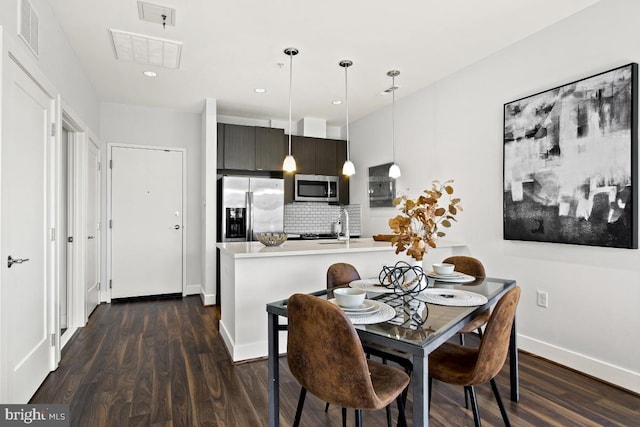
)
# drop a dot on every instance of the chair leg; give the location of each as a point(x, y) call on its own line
point(480, 333)
point(430, 389)
point(358, 417)
point(344, 417)
point(303, 394)
point(461, 339)
point(466, 399)
point(474, 405)
point(388, 410)
point(503, 411)
point(402, 419)
point(326, 407)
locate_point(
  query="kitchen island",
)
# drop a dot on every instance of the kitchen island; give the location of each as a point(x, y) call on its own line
point(252, 275)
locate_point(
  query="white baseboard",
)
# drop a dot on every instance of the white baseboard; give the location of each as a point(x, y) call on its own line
point(207, 299)
point(596, 368)
point(193, 289)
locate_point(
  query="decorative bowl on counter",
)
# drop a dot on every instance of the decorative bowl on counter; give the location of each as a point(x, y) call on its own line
point(272, 239)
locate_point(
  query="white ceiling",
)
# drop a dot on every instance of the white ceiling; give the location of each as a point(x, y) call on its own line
point(231, 47)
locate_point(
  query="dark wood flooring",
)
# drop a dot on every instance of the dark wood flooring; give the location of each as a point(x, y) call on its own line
point(163, 363)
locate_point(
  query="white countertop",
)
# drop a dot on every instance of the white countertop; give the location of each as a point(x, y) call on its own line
point(312, 247)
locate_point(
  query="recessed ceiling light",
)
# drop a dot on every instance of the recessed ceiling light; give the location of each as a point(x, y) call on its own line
point(336, 102)
point(260, 90)
point(150, 73)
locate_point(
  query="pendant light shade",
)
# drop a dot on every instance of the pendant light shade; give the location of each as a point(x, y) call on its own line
point(348, 168)
point(394, 170)
point(289, 164)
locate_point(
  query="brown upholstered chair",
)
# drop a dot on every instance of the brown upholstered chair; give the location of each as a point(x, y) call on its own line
point(473, 267)
point(470, 366)
point(326, 357)
point(341, 274)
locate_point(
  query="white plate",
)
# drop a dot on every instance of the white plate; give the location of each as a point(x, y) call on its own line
point(456, 277)
point(452, 297)
point(371, 285)
point(368, 307)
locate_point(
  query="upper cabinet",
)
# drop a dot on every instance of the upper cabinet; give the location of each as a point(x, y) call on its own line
point(250, 148)
point(271, 148)
point(316, 155)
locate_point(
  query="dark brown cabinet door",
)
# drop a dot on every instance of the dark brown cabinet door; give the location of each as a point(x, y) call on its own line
point(239, 147)
point(220, 147)
point(270, 148)
point(304, 151)
point(326, 162)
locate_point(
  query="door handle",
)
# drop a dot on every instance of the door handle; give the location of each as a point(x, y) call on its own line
point(175, 227)
point(11, 261)
point(91, 237)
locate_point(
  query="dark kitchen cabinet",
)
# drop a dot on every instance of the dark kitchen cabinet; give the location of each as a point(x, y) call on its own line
point(220, 147)
point(239, 147)
point(270, 148)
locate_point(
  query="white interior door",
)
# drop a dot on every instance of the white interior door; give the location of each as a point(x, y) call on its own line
point(92, 259)
point(147, 221)
point(26, 286)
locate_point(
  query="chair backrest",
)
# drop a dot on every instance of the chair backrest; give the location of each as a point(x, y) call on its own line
point(467, 265)
point(340, 274)
point(325, 354)
point(495, 341)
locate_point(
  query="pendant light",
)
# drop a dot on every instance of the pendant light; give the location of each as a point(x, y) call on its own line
point(289, 164)
point(394, 170)
point(348, 168)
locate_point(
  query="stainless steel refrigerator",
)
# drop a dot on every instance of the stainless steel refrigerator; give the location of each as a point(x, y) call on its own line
point(249, 205)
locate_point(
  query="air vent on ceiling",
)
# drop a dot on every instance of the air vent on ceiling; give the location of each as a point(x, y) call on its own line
point(28, 25)
point(146, 49)
point(156, 13)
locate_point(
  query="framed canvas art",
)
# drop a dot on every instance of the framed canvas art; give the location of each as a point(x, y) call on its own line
point(382, 189)
point(571, 163)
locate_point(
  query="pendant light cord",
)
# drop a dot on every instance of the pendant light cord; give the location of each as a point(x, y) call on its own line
point(393, 117)
point(290, 86)
point(346, 98)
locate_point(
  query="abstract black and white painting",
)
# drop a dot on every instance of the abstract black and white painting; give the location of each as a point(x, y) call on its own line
point(570, 163)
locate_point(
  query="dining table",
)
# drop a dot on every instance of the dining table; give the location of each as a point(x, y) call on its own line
point(418, 324)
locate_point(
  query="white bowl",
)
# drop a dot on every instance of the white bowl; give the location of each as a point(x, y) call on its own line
point(443, 268)
point(349, 297)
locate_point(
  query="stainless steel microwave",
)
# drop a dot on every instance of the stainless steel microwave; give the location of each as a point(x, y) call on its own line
point(316, 188)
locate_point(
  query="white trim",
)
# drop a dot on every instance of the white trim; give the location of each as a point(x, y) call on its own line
point(207, 299)
point(193, 289)
point(110, 146)
point(597, 368)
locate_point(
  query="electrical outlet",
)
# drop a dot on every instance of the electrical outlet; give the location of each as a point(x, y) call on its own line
point(543, 299)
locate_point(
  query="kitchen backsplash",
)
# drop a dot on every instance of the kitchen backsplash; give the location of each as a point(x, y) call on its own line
point(318, 218)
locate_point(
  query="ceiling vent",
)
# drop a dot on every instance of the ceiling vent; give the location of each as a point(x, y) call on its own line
point(146, 50)
point(28, 26)
point(156, 13)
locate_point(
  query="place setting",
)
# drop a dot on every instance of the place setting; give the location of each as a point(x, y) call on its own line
point(361, 311)
point(446, 273)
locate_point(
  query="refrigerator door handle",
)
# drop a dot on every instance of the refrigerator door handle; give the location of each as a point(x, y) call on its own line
point(249, 199)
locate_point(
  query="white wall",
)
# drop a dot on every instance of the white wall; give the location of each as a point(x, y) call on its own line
point(56, 60)
point(137, 125)
point(453, 129)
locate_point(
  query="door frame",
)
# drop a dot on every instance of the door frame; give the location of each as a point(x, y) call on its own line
point(92, 140)
point(110, 146)
point(12, 52)
point(77, 211)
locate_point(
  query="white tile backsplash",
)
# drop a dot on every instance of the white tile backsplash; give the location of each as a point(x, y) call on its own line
point(314, 217)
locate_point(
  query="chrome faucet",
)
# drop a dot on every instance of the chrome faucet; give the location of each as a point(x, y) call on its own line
point(345, 230)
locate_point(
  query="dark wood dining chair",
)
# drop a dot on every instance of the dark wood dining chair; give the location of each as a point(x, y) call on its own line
point(326, 357)
point(470, 366)
point(472, 267)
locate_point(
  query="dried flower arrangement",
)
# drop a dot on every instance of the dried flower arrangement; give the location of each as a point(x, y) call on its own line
point(417, 227)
